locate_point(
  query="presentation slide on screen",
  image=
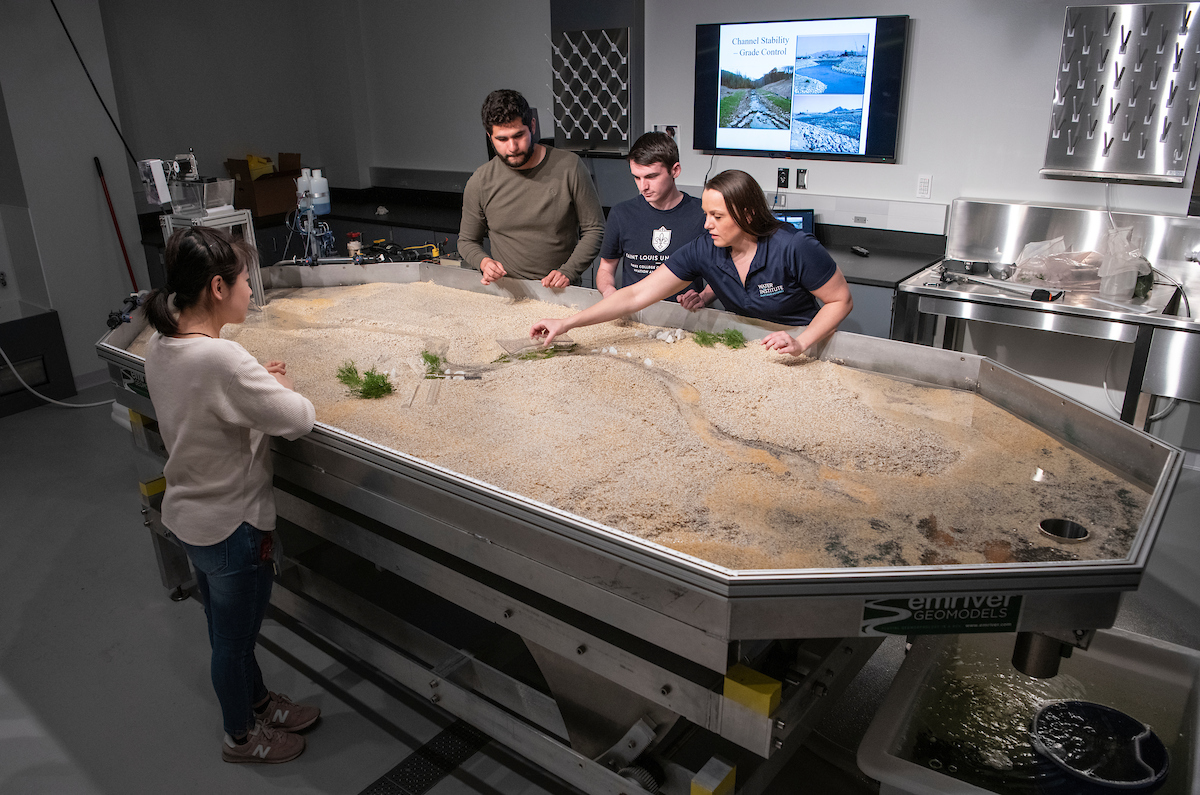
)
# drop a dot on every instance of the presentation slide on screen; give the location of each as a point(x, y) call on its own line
point(795, 86)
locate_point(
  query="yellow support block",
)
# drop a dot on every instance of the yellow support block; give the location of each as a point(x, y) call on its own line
point(754, 690)
point(715, 778)
point(152, 487)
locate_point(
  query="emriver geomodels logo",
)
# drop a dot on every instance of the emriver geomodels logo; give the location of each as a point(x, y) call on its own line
point(938, 614)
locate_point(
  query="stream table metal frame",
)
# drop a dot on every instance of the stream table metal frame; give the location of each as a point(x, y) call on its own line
point(618, 615)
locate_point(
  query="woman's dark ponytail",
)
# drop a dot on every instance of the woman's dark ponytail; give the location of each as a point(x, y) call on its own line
point(194, 256)
point(158, 311)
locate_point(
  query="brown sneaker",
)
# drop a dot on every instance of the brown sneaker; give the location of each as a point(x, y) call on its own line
point(283, 713)
point(263, 744)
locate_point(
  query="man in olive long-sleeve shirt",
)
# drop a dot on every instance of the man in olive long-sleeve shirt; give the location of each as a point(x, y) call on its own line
point(531, 201)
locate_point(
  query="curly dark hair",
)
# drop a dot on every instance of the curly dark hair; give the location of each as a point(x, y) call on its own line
point(504, 106)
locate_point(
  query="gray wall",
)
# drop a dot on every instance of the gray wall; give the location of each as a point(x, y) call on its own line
point(14, 230)
point(396, 84)
point(225, 78)
point(57, 127)
point(429, 66)
point(976, 108)
point(12, 188)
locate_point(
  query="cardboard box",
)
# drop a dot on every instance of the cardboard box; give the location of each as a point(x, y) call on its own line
point(270, 194)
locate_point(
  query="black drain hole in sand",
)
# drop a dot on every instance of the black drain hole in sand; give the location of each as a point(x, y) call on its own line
point(1064, 530)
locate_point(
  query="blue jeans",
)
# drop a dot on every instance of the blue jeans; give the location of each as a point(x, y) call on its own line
point(235, 583)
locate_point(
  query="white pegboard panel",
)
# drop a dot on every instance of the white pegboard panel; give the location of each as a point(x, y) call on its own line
point(591, 88)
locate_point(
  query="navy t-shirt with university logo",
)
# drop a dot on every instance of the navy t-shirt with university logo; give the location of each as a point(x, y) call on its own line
point(787, 267)
point(646, 237)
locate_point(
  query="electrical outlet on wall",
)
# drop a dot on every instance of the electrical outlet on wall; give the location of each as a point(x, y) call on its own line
point(779, 201)
point(802, 179)
point(924, 186)
point(781, 178)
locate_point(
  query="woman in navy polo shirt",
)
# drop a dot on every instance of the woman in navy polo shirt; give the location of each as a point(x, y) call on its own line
point(758, 266)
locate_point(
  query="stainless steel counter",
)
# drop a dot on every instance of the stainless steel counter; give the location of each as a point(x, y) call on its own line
point(1167, 348)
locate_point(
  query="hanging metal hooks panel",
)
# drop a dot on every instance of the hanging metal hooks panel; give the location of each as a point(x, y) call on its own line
point(1126, 93)
point(591, 88)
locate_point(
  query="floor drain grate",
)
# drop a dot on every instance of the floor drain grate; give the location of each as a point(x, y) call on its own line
point(430, 763)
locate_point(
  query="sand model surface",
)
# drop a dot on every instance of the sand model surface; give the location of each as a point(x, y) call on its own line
point(744, 458)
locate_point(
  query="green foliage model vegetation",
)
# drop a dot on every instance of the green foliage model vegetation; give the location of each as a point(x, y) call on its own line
point(434, 364)
point(369, 385)
point(730, 338)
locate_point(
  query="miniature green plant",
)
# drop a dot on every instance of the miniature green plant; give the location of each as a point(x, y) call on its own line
point(375, 385)
point(502, 358)
point(730, 338)
point(348, 375)
point(434, 364)
point(371, 384)
point(733, 338)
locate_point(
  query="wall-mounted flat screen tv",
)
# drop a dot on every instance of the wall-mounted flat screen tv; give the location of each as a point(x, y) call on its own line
point(826, 89)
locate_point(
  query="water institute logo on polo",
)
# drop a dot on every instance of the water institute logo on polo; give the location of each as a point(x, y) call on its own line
point(769, 289)
point(661, 239)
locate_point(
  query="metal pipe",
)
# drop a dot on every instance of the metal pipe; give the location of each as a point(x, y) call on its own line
point(1037, 655)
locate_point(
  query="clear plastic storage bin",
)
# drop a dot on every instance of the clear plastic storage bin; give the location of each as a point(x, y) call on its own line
point(197, 197)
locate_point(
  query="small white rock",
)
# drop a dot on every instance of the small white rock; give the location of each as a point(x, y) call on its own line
point(679, 333)
point(629, 355)
point(648, 363)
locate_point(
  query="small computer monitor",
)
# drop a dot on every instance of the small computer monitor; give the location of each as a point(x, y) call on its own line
point(801, 219)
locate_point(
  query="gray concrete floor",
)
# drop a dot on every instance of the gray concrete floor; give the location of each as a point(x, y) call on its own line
point(104, 682)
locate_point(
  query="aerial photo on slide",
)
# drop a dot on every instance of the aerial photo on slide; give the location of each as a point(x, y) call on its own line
point(760, 103)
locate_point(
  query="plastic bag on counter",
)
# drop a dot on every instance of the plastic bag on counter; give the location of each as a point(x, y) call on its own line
point(1123, 264)
point(1047, 263)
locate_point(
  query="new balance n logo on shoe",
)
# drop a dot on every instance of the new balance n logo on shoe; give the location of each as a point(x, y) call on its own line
point(263, 744)
point(281, 716)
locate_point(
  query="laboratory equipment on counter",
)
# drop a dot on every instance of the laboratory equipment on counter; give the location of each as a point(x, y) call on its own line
point(1166, 345)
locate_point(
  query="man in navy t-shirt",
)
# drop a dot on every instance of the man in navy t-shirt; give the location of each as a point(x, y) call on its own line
point(642, 233)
